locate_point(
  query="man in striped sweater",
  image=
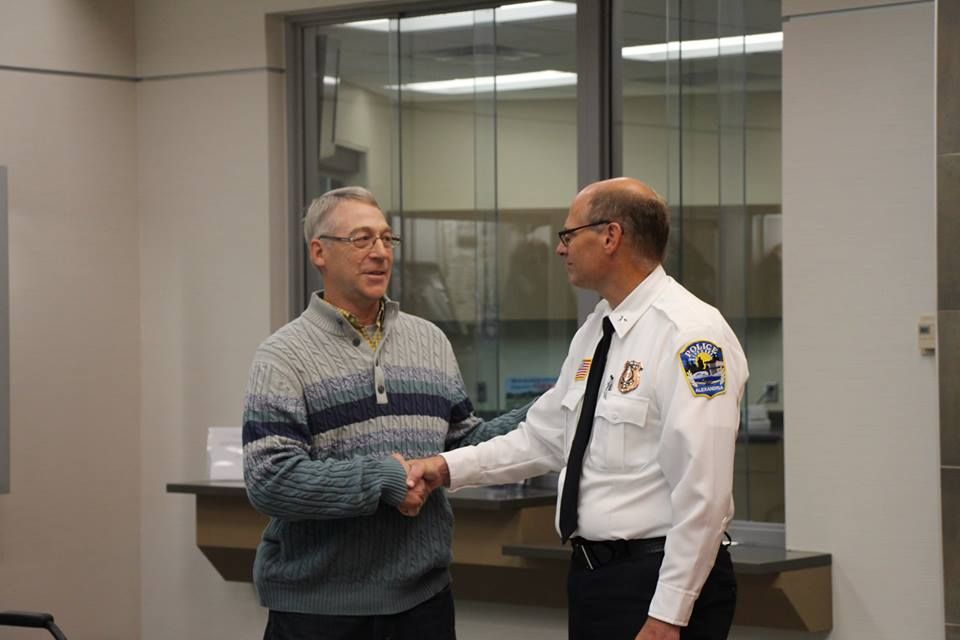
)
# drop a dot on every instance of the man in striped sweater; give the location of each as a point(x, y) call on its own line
point(336, 403)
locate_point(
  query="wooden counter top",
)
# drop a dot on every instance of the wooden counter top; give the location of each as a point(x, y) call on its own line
point(503, 498)
point(505, 549)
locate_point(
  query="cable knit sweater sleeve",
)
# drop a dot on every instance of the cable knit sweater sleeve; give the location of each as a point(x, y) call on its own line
point(281, 478)
point(465, 427)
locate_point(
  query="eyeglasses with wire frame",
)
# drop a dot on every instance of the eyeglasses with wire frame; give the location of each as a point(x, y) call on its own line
point(366, 240)
point(566, 235)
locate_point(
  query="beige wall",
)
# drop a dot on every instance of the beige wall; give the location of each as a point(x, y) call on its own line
point(89, 36)
point(859, 268)
point(70, 527)
point(212, 202)
point(190, 36)
point(205, 204)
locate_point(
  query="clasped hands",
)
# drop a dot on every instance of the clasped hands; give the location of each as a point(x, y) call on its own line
point(423, 476)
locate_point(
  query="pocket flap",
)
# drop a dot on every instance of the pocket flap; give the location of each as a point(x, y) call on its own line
point(617, 408)
point(573, 396)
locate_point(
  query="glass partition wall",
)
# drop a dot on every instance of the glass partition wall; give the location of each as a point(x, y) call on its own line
point(436, 114)
point(464, 125)
point(478, 240)
point(701, 123)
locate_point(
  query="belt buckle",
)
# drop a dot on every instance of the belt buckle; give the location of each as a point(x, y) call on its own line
point(607, 551)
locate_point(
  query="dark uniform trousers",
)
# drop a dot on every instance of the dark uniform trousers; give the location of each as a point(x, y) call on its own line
point(610, 601)
point(432, 619)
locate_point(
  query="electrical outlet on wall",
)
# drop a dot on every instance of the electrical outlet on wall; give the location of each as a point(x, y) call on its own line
point(771, 392)
point(927, 334)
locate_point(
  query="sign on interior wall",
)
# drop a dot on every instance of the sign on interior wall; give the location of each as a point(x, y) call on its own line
point(4, 340)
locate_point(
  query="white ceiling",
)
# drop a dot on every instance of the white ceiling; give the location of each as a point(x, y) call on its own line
point(368, 59)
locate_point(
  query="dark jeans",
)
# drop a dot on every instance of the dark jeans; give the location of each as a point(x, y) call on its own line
point(611, 602)
point(431, 620)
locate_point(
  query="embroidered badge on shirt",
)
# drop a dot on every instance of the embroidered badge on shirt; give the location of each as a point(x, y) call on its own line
point(583, 370)
point(630, 378)
point(702, 363)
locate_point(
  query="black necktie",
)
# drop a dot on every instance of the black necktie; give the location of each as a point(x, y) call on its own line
point(571, 482)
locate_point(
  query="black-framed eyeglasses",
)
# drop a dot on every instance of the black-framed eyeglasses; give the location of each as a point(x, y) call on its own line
point(566, 235)
point(366, 240)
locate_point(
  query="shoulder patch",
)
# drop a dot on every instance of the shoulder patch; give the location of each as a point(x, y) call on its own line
point(703, 365)
point(583, 370)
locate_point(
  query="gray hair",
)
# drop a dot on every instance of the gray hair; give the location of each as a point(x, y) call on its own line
point(317, 219)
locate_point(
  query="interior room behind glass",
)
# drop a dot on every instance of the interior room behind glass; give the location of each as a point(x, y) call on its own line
point(464, 125)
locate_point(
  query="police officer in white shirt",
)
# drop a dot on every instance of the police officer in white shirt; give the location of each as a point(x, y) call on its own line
point(653, 440)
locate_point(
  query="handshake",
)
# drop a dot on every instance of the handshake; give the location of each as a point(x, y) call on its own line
point(423, 476)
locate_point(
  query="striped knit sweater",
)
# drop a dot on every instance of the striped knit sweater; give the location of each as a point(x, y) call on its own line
point(322, 415)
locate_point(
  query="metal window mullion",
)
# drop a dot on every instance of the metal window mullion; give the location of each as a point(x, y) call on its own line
point(295, 161)
point(599, 105)
point(395, 52)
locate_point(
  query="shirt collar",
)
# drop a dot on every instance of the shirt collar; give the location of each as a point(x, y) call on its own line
point(326, 315)
point(355, 321)
point(637, 302)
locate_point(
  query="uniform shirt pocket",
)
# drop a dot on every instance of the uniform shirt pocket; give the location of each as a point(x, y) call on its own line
point(571, 403)
point(621, 436)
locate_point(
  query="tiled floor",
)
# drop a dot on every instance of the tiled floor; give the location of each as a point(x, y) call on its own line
point(489, 621)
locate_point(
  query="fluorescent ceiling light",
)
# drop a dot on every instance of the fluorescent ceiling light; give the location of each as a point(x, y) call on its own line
point(509, 82)
point(461, 19)
point(709, 48)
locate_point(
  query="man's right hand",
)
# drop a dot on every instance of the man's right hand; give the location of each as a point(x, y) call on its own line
point(417, 489)
point(423, 476)
point(436, 473)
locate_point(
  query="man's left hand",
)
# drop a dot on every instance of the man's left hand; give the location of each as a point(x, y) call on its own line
point(654, 629)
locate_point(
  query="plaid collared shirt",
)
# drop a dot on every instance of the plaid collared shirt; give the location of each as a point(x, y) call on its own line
point(372, 334)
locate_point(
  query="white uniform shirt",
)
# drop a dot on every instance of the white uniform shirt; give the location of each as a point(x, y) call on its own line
point(660, 458)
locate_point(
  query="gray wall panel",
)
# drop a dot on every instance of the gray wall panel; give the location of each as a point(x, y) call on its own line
point(951, 542)
point(948, 298)
point(948, 231)
point(4, 341)
point(948, 338)
point(948, 72)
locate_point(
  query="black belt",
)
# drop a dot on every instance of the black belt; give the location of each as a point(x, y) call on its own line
point(592, 554)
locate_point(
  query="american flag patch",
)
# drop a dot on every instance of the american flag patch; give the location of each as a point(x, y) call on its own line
point(583, 370)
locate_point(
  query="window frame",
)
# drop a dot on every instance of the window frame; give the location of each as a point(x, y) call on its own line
point(599, 136)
